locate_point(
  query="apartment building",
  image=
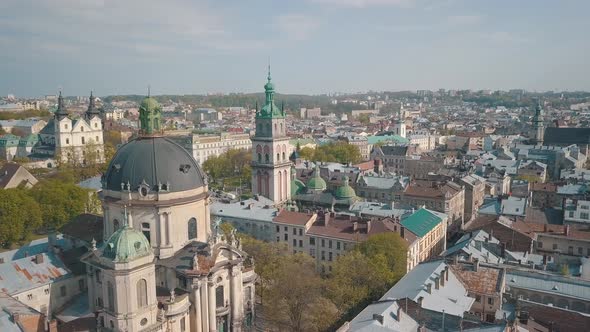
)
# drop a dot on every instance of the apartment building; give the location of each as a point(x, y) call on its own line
point(447, 197)
point(325, 235)
point(202, 147)
point(475, 189)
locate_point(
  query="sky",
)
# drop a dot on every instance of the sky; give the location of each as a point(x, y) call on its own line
point(314, 46)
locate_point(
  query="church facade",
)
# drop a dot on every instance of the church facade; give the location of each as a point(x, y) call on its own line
point(161, 267)
point(68, 140)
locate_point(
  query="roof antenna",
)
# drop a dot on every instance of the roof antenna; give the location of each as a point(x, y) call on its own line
point(149, 90)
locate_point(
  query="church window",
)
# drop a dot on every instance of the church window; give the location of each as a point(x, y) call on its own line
point(96, 139)
point(284, 156)
point(278, 157)
point(145, 321)
point(115, 224)
point(111, 295)
point(219, 297)
point(266, 158)
point(95, 125)
point(83, 140)
point(192, 228)
point(281, 128)
point(65, 125)
point(259, 158)
point(81, 128)
point(142, 300)
point(67, 141)
point(112, 324)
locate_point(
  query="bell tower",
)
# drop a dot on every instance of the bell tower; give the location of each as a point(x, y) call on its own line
point(270, 158)
point(539, 124)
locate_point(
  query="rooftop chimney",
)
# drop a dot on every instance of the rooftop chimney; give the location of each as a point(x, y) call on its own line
point(476, 265)
point(355, 226)
point(39, 258)
point(567, 230)
point(368, 226)
point(399, 313)
point(429, 288)
point(442, 278)
point(437, 283)
point(378, 318)
point(420, 299)
point(447, 273)
point(402, 231)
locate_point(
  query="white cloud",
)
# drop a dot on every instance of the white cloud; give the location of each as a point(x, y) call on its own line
point(366, 3)
point(296, 26)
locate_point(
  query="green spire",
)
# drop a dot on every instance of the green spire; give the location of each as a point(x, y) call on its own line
point(150, 114)
point(270, 110)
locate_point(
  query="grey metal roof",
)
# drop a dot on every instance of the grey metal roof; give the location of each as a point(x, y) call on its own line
point(24, 274)
point(385, 182)
point(377, 209)
point(157, 161)
point(250, 209)
point(365, 322)
point(452, 297)
point(34, 247)
point(574, 288)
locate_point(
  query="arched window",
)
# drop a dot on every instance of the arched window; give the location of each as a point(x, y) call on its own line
point(115, 225)
point(278, 157)
point(281, 128)
point(192, 228)
point(81, 128)
point(111, 295)
point(142, 300)
point(284, 156)
point(276, 128)
point(266, 158)
point(259, 158)
point(83, 140)
point(67, 141)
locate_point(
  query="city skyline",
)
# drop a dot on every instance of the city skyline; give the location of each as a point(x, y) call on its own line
point(182, 47)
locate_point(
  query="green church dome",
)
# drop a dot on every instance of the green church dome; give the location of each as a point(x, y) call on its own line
point(345, 190)
point(126, 244)
point(316, 182)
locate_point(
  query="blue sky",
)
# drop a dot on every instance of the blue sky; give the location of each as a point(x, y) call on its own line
point(315, 46)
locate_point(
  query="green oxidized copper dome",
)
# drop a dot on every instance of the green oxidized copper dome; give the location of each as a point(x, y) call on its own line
point(345, 190)
point(270, 110)
point(126, 244)
point(316, 182)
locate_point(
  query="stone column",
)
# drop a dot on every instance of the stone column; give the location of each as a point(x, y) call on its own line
point(204, 307)
point(161, 216)
point(211, 299)
point(237, 312)
point(197, 317)
point(168, 227)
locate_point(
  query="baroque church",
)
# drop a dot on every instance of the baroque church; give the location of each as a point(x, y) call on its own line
point(161, 268)
point(69, 140)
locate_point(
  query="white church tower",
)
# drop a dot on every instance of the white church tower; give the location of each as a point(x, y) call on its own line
point(270, 160)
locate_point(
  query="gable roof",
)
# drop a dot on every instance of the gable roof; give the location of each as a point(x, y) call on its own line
point(422, 221)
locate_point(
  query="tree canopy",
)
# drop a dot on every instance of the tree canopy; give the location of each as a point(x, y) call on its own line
point(340, 152)
point(230, 168)
point(19, 216)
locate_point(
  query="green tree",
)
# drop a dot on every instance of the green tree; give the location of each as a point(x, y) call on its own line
point(59, 201)
point(20, 215)
point(364, 119)
point(307, 153)
point(296, 295)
